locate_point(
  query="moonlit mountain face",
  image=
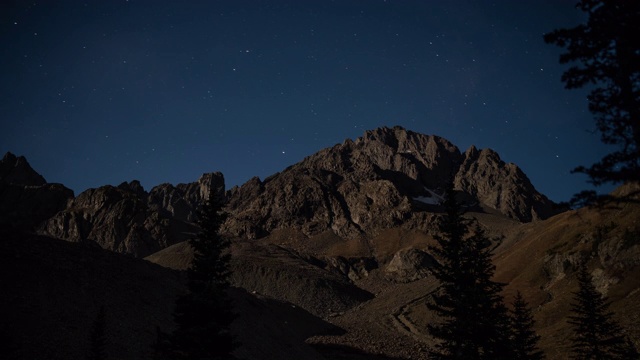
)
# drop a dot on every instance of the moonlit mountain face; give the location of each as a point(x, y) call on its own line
point(104, 92)
point(388, 178)
point(332, 130)
point(330, 258)
point(381, 180)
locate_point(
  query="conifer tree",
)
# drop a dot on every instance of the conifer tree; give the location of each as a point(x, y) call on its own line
point(597, 336)
point(524, 339)
point(474, 322)
point(203, 316)
point(605, 57)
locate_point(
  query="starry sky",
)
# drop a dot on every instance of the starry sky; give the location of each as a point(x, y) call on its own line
point(101, 92)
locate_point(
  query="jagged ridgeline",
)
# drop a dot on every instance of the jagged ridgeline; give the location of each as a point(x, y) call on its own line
point(335, 243)
point(387, 178)
point(390, 177)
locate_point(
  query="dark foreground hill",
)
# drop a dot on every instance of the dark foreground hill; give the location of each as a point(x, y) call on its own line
point(53, 290)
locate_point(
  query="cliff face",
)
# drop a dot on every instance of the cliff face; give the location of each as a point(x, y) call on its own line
point(380, 180)
point(26, 199)
point(501, 186)
point(129, 220)
point(389, 177)
point(16, 170)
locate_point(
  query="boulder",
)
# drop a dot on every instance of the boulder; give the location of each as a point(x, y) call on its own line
point(409, 265)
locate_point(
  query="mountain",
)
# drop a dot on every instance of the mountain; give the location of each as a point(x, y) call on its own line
point(26, 199)
point(384, 179)
point(330, 257)
point(390, 177)
point(16, 170)
point(129, 220)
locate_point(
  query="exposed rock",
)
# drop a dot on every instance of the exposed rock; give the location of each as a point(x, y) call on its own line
point(24, 207)
point(388, 178)
point(25, 198)
point(352, 268)
point(282, 274)
point(129, 220)
point(16, 170)
point(557, 265)
point(196, 193)
point(409, 265)
point(116, 218)
point(501, 186)
point(602, 281)
point(381, 180)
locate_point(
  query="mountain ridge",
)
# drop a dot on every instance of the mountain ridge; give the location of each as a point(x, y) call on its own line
point(377, 178)
point(389, 177)
point(341, 238)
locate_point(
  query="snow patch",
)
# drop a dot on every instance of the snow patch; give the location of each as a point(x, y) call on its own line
point(432, 199)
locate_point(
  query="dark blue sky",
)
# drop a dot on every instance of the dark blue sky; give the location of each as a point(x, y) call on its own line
point(100, 92)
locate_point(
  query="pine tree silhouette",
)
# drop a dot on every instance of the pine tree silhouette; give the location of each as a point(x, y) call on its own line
point(524, 338)
point(203, 316)
point(474, 320)
point(597, 335)
point(605, 53)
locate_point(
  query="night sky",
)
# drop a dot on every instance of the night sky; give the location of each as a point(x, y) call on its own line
point(101, 92)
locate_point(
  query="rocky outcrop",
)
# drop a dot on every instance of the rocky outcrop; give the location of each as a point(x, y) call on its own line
point(282, 274)
point(16, 170)
point(409, 265)
point(501, 186)
point(24, 207)
point(181, 202)
point(26, 199)
point(381, 180)
point(129, 220)
point(389, 177)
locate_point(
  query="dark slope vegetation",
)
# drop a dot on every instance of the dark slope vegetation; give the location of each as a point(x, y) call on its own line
point(53, 290)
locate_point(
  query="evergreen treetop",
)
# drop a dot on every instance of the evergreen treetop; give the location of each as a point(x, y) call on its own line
point(597, 335)
point(474, 321)
point(605, 56)
point(210, 263)
point(204, 315)
point(524, 340)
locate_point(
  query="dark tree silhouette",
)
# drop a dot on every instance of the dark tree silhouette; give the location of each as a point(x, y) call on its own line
point(97, 337)
point(597, 335)
point(203, 316)
point(474, 322)
point(524, 338)
point(607, 52)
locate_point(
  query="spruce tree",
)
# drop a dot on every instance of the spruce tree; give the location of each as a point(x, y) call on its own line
point(203, 316)
point(474, 322)
point(605, 57)
point(524, 339)
point(597, 335)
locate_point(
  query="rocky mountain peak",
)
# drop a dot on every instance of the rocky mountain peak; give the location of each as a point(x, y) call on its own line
point(16, 170)
point(385, 178)
point(472, 151)
point(388, 178)
point(128, 219)
point(26, 199)
point(501, 186)
point(133, 187)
